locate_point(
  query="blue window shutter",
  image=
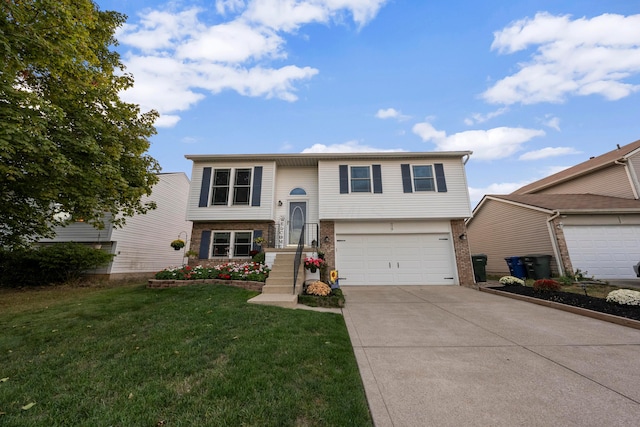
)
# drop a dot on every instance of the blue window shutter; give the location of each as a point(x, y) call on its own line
point(204, 244)
point(204, 189)
point(377, 179)
point(257, 186)
point(256, 234)
point(344, 179)
point(440, 180)
point(406, 178)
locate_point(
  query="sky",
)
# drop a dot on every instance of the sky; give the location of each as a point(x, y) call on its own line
point(531, 87)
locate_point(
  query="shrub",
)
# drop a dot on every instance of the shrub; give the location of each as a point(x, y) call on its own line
point(511, 280)
point(53, 263)
point(546, 285)
point(624, 297)
point(259, 257)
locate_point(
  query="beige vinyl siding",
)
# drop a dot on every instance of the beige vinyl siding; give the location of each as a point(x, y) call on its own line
point(142, 245)
point(612, 181)
point(393, 203)
point(634, 171)
point(503, 230)
point(82, 232)
point(231, 213)
point(288, 178)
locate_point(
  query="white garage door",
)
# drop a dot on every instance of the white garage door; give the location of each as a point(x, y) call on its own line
point(405, 259)
point(604, 251)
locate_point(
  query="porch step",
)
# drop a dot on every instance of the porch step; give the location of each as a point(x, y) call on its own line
point(278, 300)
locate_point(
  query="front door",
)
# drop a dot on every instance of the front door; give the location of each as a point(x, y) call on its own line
point(297, 218)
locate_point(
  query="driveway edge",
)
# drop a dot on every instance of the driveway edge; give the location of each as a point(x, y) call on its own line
point(571, 309)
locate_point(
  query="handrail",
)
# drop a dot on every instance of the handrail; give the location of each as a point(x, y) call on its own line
point(298, 259)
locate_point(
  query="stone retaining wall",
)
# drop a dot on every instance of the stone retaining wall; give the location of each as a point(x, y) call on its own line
point(249, 285)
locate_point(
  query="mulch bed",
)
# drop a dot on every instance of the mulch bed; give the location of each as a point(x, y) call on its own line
point(576, 300)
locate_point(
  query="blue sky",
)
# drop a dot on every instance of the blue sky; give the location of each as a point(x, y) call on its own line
point(530, 87)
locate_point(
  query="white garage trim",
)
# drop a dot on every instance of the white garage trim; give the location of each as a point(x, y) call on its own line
point(396, 259)
point(604, 251)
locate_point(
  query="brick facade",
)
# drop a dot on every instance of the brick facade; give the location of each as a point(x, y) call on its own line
point(562, 246)
point(327, 229)
point(199, 227)
point(462, 252)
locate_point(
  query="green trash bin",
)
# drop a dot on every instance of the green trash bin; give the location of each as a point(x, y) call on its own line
point(538, 266)
point(479, 267)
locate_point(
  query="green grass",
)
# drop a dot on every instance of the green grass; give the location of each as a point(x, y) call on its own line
point(191, 356)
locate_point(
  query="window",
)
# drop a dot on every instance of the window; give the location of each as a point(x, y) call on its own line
point(221, 179)
point(221, 244)
point(242, 187)
point(423, 179)
point(360, 179)
point(298, 192)
point(232, 243)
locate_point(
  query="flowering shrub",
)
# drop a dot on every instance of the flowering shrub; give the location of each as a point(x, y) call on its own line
point(318, 288)
point(510, 280)
point(310, 262)
point(624, 297)
point(252, 271)
point(546, 285)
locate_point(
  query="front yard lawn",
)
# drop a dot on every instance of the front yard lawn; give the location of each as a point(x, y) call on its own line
point(189, 356)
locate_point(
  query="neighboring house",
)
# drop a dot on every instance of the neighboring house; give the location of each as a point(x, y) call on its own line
point(586, 217)
point(381, 218)
point(142, 245)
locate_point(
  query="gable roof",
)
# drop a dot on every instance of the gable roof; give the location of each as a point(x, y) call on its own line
point(571, 203)
point(591, 165)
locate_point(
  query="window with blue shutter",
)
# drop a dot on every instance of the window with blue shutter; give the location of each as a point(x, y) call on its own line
point(377, 179)
point(205, 241)
point(440, 179)
point(204, 188)
point(344, 179)
point(257, 186)
point(407, 187)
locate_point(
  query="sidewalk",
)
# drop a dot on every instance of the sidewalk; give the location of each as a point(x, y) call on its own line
point(453, 356)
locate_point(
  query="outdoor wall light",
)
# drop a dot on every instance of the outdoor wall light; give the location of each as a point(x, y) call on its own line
point(326, 239)
point(463, 236)
point(279, 202)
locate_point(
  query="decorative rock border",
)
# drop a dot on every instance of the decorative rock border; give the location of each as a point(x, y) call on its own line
point(571, 309)
point(244, 284)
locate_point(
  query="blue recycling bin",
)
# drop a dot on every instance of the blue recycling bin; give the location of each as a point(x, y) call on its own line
point(516, 267)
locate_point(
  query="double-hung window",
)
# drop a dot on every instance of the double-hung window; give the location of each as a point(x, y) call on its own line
point(231, 244)
point(221, 181)
point(423, 179)
point(242, 187)
point(360, 179)
point(226, 179)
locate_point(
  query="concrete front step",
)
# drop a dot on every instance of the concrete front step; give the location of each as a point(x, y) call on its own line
point(278, 300)
point(278, 289)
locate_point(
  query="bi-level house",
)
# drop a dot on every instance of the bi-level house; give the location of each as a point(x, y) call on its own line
point(585, 217)
point(380, 218)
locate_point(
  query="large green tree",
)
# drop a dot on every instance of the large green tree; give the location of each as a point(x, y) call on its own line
point(68, 143)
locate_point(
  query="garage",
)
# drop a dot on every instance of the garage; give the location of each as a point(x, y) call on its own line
point(395, 259)
point(604, 251)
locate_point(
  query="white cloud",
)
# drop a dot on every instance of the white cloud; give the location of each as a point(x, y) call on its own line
point(347, 147)
point(573, 58)
point(496, 143)
point(548, 152)
point(167, 121)
point(175, 57)
point(391, 113)
point(289, 15)
point(552, 122)
point(481, 118)
point(476, 194)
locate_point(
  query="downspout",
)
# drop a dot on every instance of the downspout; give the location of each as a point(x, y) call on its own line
point(466, 158)
point(554, 243)
point(631, 173)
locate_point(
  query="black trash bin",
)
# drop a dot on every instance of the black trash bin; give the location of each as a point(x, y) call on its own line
point(516, 267)
point(479, 267)
point(538, 266)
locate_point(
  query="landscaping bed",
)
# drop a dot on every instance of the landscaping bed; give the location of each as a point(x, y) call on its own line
point(575, 300)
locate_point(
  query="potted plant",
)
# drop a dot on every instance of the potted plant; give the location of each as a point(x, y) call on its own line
point(259, 241)
point(313, 264)
point(177, 244)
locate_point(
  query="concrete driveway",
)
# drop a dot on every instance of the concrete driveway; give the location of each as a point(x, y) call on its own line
point(453, 356)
